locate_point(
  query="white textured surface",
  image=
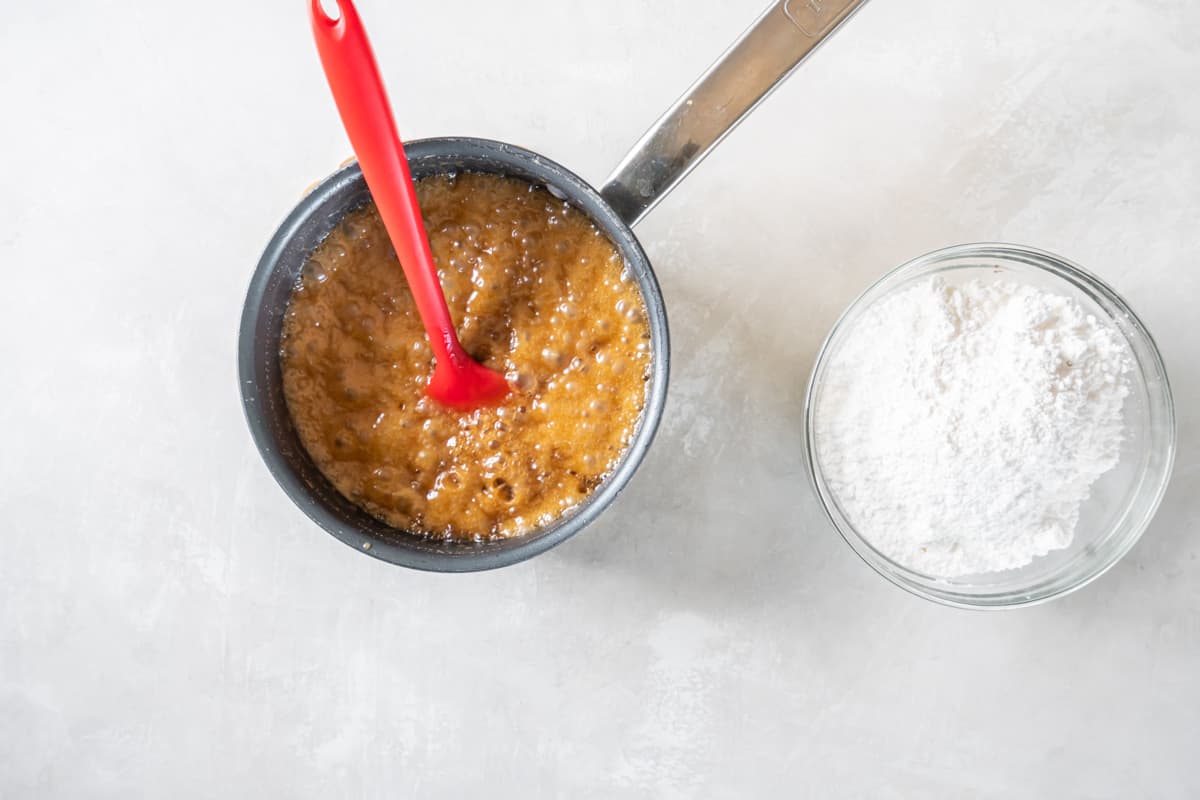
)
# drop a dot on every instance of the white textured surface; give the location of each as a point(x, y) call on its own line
point(171, 626)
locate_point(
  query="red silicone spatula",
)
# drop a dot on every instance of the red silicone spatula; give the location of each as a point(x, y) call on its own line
point(458, 380)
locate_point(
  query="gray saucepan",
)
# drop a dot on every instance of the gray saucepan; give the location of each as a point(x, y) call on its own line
point(757, 62)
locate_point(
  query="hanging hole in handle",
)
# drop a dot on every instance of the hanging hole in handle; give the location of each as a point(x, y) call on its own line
point(327, 11)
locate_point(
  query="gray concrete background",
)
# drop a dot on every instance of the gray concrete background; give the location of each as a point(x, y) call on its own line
point(171, 626)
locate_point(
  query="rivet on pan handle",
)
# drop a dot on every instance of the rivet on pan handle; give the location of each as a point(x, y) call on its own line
point(766, 54)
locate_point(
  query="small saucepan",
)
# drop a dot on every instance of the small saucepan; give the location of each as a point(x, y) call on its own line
point(763, 57)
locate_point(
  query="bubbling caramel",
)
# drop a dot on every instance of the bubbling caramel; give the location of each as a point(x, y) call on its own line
point(537, 292)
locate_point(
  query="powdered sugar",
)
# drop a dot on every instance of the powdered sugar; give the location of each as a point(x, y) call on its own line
point(961, 427)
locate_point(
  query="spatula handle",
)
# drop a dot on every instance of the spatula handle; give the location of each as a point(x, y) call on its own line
point(362, 102)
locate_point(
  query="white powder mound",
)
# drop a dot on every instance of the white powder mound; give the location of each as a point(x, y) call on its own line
point(960, 428)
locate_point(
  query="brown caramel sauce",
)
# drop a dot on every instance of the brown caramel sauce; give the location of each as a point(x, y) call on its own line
point(536, 292)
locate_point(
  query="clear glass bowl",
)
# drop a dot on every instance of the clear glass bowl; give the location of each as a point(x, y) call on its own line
point(1121, 503)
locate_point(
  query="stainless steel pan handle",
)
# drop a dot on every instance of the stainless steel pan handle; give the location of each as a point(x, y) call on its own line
point(741, 78)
